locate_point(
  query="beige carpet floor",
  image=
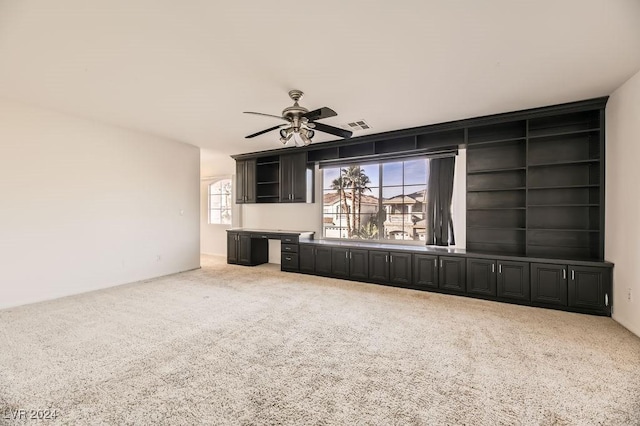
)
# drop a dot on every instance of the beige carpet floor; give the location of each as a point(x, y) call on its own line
point(240, 345)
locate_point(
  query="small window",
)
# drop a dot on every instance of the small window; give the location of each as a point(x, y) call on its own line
point(220, 202)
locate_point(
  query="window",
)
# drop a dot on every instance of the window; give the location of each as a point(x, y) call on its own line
point(220, 202)
point(383, 201)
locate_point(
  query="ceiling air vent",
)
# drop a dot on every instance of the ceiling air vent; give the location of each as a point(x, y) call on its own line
point(358, 125)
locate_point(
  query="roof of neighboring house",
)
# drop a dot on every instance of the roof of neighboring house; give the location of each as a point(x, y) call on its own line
point(400, 199)
point(334, 197)
point(328, 220)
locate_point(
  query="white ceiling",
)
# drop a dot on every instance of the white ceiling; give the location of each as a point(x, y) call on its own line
point(188, 69)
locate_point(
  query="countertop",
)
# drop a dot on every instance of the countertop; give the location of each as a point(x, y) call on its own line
point(309, 234)
point(446, 251)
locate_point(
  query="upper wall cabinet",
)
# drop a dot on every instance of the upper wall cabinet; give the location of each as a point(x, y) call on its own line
point(272, 179)
point(293, 182)
point(246, 181)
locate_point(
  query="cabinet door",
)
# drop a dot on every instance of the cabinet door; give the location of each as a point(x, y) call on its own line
point(359, 264)
point(232, 247)
point(590, 288)
point(307, 258)
point(481, 277)
point(286, 178)
point(379, 266)
point(400, 267)
point(293, 177)
point(244, 250)
point(339, 262)
point(425, 270)
point(246, 181)
point(513, 280)
point(323, 260)
point(250, 181)
point(452, 273)
point(549, 284)
point(240, 181)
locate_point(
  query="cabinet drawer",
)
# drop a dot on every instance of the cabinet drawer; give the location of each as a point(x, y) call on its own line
point(289, 248)
point(290, 239)
point(265, 236)
point(289, 261)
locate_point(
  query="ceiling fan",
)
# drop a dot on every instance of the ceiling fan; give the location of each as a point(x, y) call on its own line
point(301, 123)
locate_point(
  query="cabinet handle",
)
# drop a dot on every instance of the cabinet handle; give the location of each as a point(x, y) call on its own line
point(500, 268)
point(349, 255)
point(391, 258)
point(346, 254)
point(493, 267)
point(288, 258)
point(435, 263)
point(573, 275)
point(441, 263)
point(386, 258)
point(606, 299)
point(564, 274)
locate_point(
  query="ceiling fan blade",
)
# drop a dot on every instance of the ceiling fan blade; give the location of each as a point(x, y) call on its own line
point(263, 131)
point(320, 113)
point(333, 130)
point(266, 115)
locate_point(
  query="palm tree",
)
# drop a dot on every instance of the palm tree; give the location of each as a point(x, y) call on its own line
point(350, 177)
point(356, 181)
point(362, 185)
point(338, 185)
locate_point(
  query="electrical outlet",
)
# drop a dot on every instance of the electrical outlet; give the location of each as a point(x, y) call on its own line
point(159, 258)
point(629, 294)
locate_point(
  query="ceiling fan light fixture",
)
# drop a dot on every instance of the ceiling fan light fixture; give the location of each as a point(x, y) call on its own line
point(286, 135)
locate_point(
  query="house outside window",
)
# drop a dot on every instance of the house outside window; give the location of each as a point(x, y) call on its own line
point(220, 202)
point(382, 201)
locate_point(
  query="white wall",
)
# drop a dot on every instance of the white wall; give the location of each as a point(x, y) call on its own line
point(87, 206)
point(622, 231)
point(213, 238)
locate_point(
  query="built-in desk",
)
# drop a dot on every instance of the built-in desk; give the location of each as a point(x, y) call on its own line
point(250, 247)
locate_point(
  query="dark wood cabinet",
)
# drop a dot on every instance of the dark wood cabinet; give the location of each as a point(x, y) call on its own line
point(289, 262)
point(578, 288)
point(246, 181)
point(549, 284)
point(425, 270)
point(400, 268)
point(339, 262)
point(359, 264)
point(243, 250)
point(379, 266)
point(590, 288)
point(232, 247)
point(481, 277)
point(293, 182)
point(307, 258)
point(323, 260)
point(513, 280)
point(390, 267)
point(452, 274)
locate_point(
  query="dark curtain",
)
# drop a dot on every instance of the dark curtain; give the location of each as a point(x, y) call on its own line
point(438, 203)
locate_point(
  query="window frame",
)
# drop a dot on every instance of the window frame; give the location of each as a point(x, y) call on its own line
point(379, 191)
point(228, 207)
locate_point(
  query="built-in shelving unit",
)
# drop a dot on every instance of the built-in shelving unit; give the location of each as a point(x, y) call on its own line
point(534, 187)
point(268, 179)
